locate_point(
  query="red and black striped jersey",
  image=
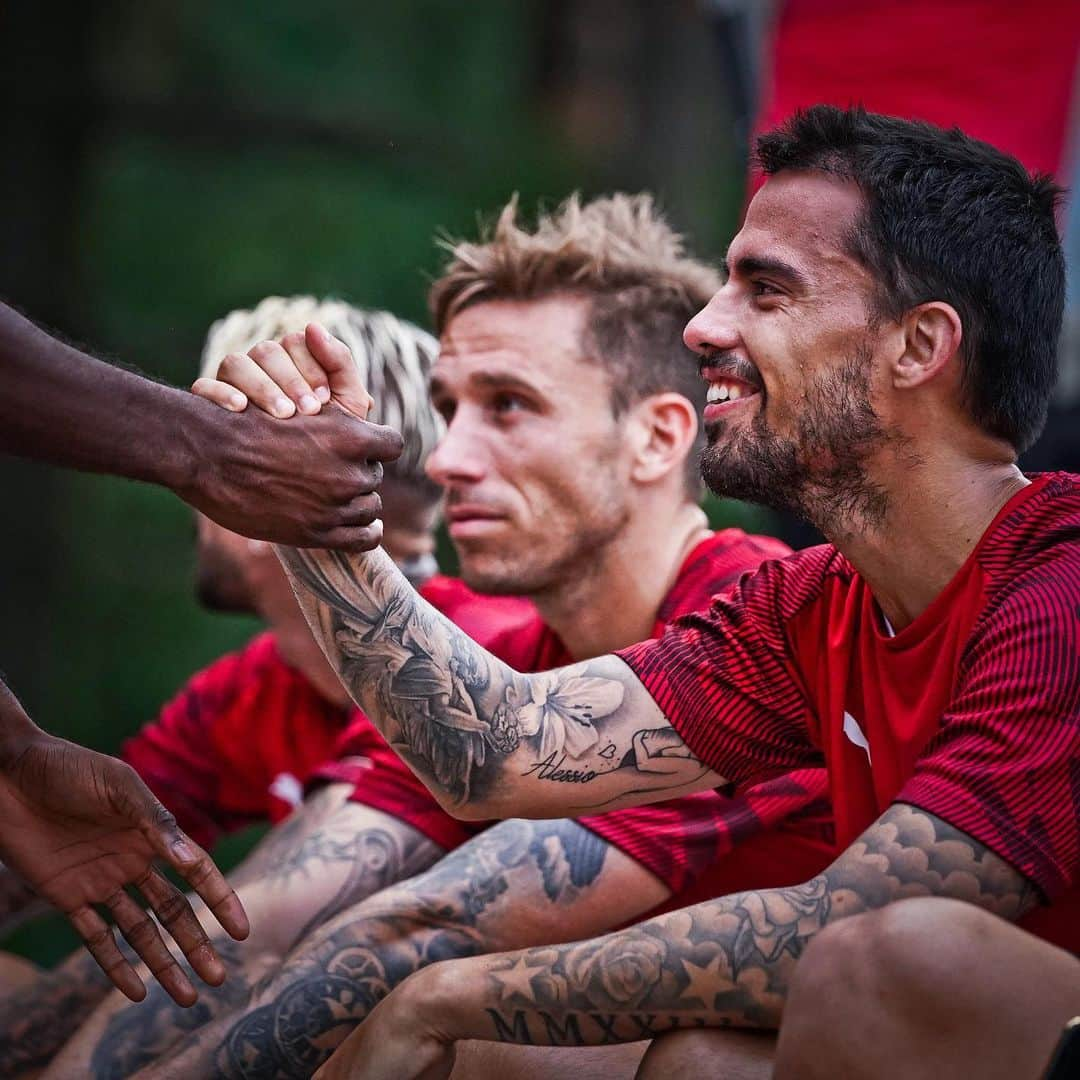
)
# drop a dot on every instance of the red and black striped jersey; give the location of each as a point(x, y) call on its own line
point(971, 712)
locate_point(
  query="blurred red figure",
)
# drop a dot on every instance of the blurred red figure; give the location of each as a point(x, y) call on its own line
point(1003, 72)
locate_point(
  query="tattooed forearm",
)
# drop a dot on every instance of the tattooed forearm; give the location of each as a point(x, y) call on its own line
point(725, 962)
point(304, 882)
point(488, 741)
point(139, 1034)
point(35, 1023)
point(484, 895)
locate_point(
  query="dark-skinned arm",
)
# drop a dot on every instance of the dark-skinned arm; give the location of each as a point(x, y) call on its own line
point(308, 482)
point(726, 962)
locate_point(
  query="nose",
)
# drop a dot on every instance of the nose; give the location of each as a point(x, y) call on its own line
point(458, 457)
point(713, 328)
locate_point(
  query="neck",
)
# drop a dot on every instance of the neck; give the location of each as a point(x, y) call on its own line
point(299, 650)
point(938, 508)
point(615, 604)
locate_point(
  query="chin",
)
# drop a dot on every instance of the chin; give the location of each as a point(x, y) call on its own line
point(491, 580)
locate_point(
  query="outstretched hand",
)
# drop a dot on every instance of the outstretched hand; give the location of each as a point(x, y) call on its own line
point(79, 827)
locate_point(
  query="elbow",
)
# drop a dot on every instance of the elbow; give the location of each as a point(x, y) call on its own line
point(484, 809)
point(467, 811)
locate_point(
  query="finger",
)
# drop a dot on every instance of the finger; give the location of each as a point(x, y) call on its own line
point(143, 936)
point(295, 345)
point(244, 374)
point(282, 369)
point(336, 359)
point(352, 538)
point(363, 510)
point(220, 393)
point(198, 870)
point(174, 913)
point(370, 442)
point(99, 940)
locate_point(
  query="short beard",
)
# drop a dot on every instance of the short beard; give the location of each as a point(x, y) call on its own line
point(820, 474)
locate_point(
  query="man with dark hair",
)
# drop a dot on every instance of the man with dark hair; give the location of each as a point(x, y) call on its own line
point(928, 656)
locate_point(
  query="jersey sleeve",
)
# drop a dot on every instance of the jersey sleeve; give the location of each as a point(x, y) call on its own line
point(176, 754)
point(726, 681)
point(1004, 766)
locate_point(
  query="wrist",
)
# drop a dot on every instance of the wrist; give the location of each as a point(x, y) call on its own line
point(198, 430)
point(17, 730)
point(445, 998)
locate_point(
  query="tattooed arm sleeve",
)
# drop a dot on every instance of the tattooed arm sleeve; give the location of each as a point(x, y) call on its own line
point(489, 742)
point(720, 963)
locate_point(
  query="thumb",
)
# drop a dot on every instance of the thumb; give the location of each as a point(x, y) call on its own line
point(336, 359)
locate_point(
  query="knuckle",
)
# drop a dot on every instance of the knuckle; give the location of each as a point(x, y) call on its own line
point(262, 349)
point(100, 940)
point(229, 365)
point(163, 819)
point(172, 908)
point(141, 934)
point(200, 873)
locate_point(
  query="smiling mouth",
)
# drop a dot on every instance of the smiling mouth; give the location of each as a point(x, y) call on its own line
point(727, 389)
point(730, 380)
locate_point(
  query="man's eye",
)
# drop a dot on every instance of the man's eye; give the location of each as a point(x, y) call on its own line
point(764, 288)
point(508, 403)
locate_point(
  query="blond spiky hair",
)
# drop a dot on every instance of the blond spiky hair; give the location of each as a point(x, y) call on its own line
point(394, 359)
point(619, 254)
point(612, 243)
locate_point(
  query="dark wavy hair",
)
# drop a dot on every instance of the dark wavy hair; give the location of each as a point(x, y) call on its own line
point(954, 219)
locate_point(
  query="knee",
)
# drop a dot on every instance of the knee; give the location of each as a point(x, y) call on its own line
point(913, 944)
point(905, 959)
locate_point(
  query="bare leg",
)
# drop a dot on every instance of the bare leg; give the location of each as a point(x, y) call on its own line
point(520, 883)
point(926, 989)
point(330, 855)
point(715, 1052)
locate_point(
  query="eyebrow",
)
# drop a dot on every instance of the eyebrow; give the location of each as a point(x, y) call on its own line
point(748, 265)
point(488, 380)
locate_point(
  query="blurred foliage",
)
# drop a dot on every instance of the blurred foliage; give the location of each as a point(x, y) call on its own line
point(243, 149)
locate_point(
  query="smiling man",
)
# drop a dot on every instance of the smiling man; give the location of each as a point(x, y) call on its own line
point(894, 299)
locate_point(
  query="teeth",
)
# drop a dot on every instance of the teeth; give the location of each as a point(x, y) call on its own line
point(717, 392)
point(734, 393)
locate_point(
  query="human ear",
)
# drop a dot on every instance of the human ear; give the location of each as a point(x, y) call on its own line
point(666, 426)
point(932, 336)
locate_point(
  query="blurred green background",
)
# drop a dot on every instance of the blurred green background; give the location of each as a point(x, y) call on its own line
point(165, 163)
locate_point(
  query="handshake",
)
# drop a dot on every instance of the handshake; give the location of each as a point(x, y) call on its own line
point(324, 472)
point(300, 373)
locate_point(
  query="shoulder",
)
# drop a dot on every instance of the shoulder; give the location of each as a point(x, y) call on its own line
point(1031, 563)
point(780, 588)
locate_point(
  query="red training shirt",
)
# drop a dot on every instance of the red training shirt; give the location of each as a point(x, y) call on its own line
point(972, 712)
